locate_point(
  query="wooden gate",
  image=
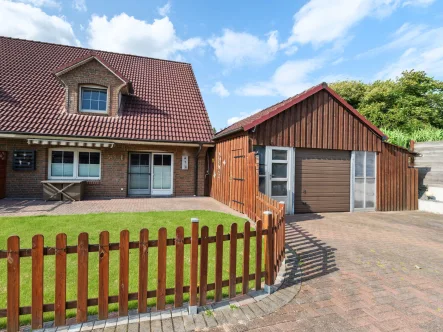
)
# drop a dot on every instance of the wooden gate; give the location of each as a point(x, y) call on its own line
point(3, 158)
point(237, 180)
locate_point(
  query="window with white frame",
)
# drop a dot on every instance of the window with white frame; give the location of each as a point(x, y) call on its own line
point(74, 164)
point(93, 99)
point(62, 164)
point(364, 180)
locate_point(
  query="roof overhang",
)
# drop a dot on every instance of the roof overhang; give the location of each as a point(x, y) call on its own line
point(65, 143)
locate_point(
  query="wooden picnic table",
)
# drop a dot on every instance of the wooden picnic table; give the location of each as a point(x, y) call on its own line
point(63, 189)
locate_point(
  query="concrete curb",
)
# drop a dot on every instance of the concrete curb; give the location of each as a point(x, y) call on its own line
point(238, 310)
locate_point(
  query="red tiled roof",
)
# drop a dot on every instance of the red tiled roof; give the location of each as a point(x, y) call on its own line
point(166, 104)
point(260, 117)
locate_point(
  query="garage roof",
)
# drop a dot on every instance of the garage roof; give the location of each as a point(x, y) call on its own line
point(264, 115)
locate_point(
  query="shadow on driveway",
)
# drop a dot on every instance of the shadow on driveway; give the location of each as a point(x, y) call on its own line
point(314, 256)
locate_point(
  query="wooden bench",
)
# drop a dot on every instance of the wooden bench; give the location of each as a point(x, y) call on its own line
point(57, 190)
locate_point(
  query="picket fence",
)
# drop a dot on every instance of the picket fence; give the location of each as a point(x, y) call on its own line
point(267, 234)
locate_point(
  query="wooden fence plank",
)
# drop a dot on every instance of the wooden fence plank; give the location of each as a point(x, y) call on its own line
point(82, 277)
point(193, 263)
point(246, 253)
point(60, 280)
point(269, 248)
point(258, 254)
point(143, 271)
point(103, 276)
point(161, 266)
point(219, 263)
point(203, 264)
point(179, 266)
point(37, 281)
point(123, 290)
point(232, 260)
point(13, 297)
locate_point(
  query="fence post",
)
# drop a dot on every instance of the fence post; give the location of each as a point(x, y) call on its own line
point(282, 232)
point(269, 251)
point(13, 284)
point(194, 267)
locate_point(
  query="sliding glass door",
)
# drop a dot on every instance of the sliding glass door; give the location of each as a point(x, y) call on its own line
point(150, 174)
point(139, 177)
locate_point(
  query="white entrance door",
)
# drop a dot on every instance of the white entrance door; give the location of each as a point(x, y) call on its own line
point(279, 164)
point(139, 181)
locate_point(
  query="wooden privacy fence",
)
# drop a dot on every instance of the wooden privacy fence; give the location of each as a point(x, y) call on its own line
point(397, 181)
point(267, 234)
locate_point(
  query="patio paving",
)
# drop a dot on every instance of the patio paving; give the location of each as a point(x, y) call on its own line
point(363, 272)
point(27, 207)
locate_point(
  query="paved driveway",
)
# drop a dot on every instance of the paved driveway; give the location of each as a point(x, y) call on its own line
point(364, 272)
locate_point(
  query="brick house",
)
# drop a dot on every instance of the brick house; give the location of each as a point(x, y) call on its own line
point(125, 125)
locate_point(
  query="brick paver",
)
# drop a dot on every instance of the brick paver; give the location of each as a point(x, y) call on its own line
point(363, 272)
point(28, 207)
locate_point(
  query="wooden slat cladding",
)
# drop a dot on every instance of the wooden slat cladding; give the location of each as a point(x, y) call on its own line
point(319, 122)
point(227, 171)
point(397, 183)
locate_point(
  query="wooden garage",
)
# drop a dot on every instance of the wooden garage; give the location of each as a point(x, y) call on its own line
point(316, 153)
point(322, 180)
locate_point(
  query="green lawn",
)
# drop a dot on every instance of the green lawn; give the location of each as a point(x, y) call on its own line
point(72, 225)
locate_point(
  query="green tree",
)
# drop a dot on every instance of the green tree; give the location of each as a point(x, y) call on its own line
point(411, 102)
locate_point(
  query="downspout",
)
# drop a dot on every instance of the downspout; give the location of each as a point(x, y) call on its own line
point(196, 170)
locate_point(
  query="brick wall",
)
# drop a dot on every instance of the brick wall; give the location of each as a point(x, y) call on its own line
point(114, 170)
point(24, 184)
point(91, 73)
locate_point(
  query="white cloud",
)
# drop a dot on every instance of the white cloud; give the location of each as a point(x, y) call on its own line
point(42, 3)
point(338, 61)
point(420, 47)
point(239, 48)
point(242, 116)
point(289, 79)
point(291, 50)
point(165, 10)
point(25, 21)
point(220, 89)
point(124, 33)
point(430, 61)
point(79, 5)
point(407, 36)
point(323, 21)
point(421, 3)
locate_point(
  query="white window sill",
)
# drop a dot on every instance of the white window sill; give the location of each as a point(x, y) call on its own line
point(94, 111)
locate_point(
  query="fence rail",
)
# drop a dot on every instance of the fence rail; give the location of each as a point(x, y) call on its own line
point(267, 235)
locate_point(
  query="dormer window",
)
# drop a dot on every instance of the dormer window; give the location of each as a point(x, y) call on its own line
point(93, 100)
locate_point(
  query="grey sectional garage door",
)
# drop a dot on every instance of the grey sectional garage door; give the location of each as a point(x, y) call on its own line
point(322, 180)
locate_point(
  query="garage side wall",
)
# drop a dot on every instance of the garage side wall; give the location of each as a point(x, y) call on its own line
point(318, 122)
point(228, 171)
point(397, 183)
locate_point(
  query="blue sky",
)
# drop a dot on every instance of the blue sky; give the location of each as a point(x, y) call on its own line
point(248, 55)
